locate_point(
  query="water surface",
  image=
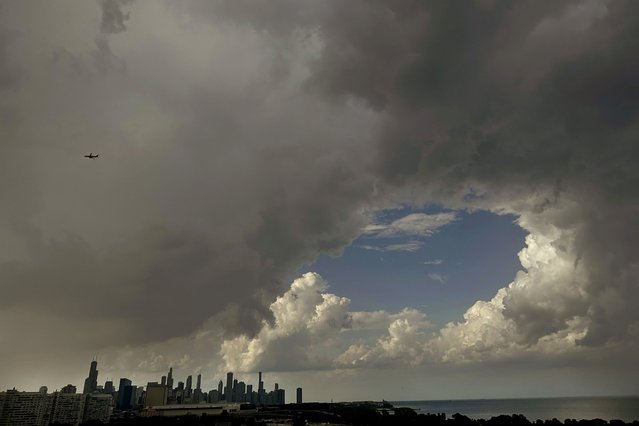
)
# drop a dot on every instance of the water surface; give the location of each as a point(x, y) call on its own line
point(578, 408)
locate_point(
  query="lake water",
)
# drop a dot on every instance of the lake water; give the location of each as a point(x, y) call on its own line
point(607, 408)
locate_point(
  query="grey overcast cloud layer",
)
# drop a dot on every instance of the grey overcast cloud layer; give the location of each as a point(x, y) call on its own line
point(240, 139)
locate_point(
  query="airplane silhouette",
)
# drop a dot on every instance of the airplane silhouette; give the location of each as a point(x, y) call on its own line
point(92, 156)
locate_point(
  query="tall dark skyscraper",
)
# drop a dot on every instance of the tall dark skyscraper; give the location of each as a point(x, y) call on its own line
point(169, 378)
point(228, 392)
point(189, 383)
point(261, 393)
point(299, 395)
point(124, 394)
point(219, 388)
point(199, 382)
point(249, 394)
point(91, 382)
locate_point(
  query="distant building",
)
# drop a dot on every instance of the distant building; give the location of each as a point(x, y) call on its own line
point(197, 396)
point(68, 389)
point(67, 408)
point(124, 395)
point(138, 400)
point(249, 394)
point(240, 392)
point(40, 409)
point(299, 395)
point(24, 408)
point(129, 397)
point(169, 378)
point(228, 391)
point(98, 407)
point(156, 394)
point(261, 392)
point(43, 389)
point(91, 382)
point(214, 396)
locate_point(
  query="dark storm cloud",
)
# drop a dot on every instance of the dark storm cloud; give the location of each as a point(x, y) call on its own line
point(545, 109)
point(527, 107)
point(213, 183)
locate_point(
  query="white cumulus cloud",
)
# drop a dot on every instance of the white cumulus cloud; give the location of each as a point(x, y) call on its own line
point(306, 323)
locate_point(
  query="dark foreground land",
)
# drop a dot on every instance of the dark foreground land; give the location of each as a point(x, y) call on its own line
point(350, 414)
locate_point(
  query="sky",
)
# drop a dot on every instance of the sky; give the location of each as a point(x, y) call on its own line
point(369, 199)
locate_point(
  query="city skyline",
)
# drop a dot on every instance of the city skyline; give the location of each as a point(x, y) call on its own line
point(229, 393)
point(367, 199)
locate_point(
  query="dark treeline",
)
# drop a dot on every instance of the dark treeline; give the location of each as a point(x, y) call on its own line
point(354, 415)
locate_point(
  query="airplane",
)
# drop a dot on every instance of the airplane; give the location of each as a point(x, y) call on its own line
point(92, 156)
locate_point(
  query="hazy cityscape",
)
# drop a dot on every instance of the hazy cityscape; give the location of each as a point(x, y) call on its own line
point(167, 397)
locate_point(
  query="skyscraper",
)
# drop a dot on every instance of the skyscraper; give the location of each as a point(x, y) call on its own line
point(228, 392)
point(249, 394)
point(155, 394)
point(220, 385)
point(189, 383)
point(261, 393)
point(124, 401)
point(199, 382)
point(299, 395)
point(169, 379)
point(240, 392)
point(91, 382)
